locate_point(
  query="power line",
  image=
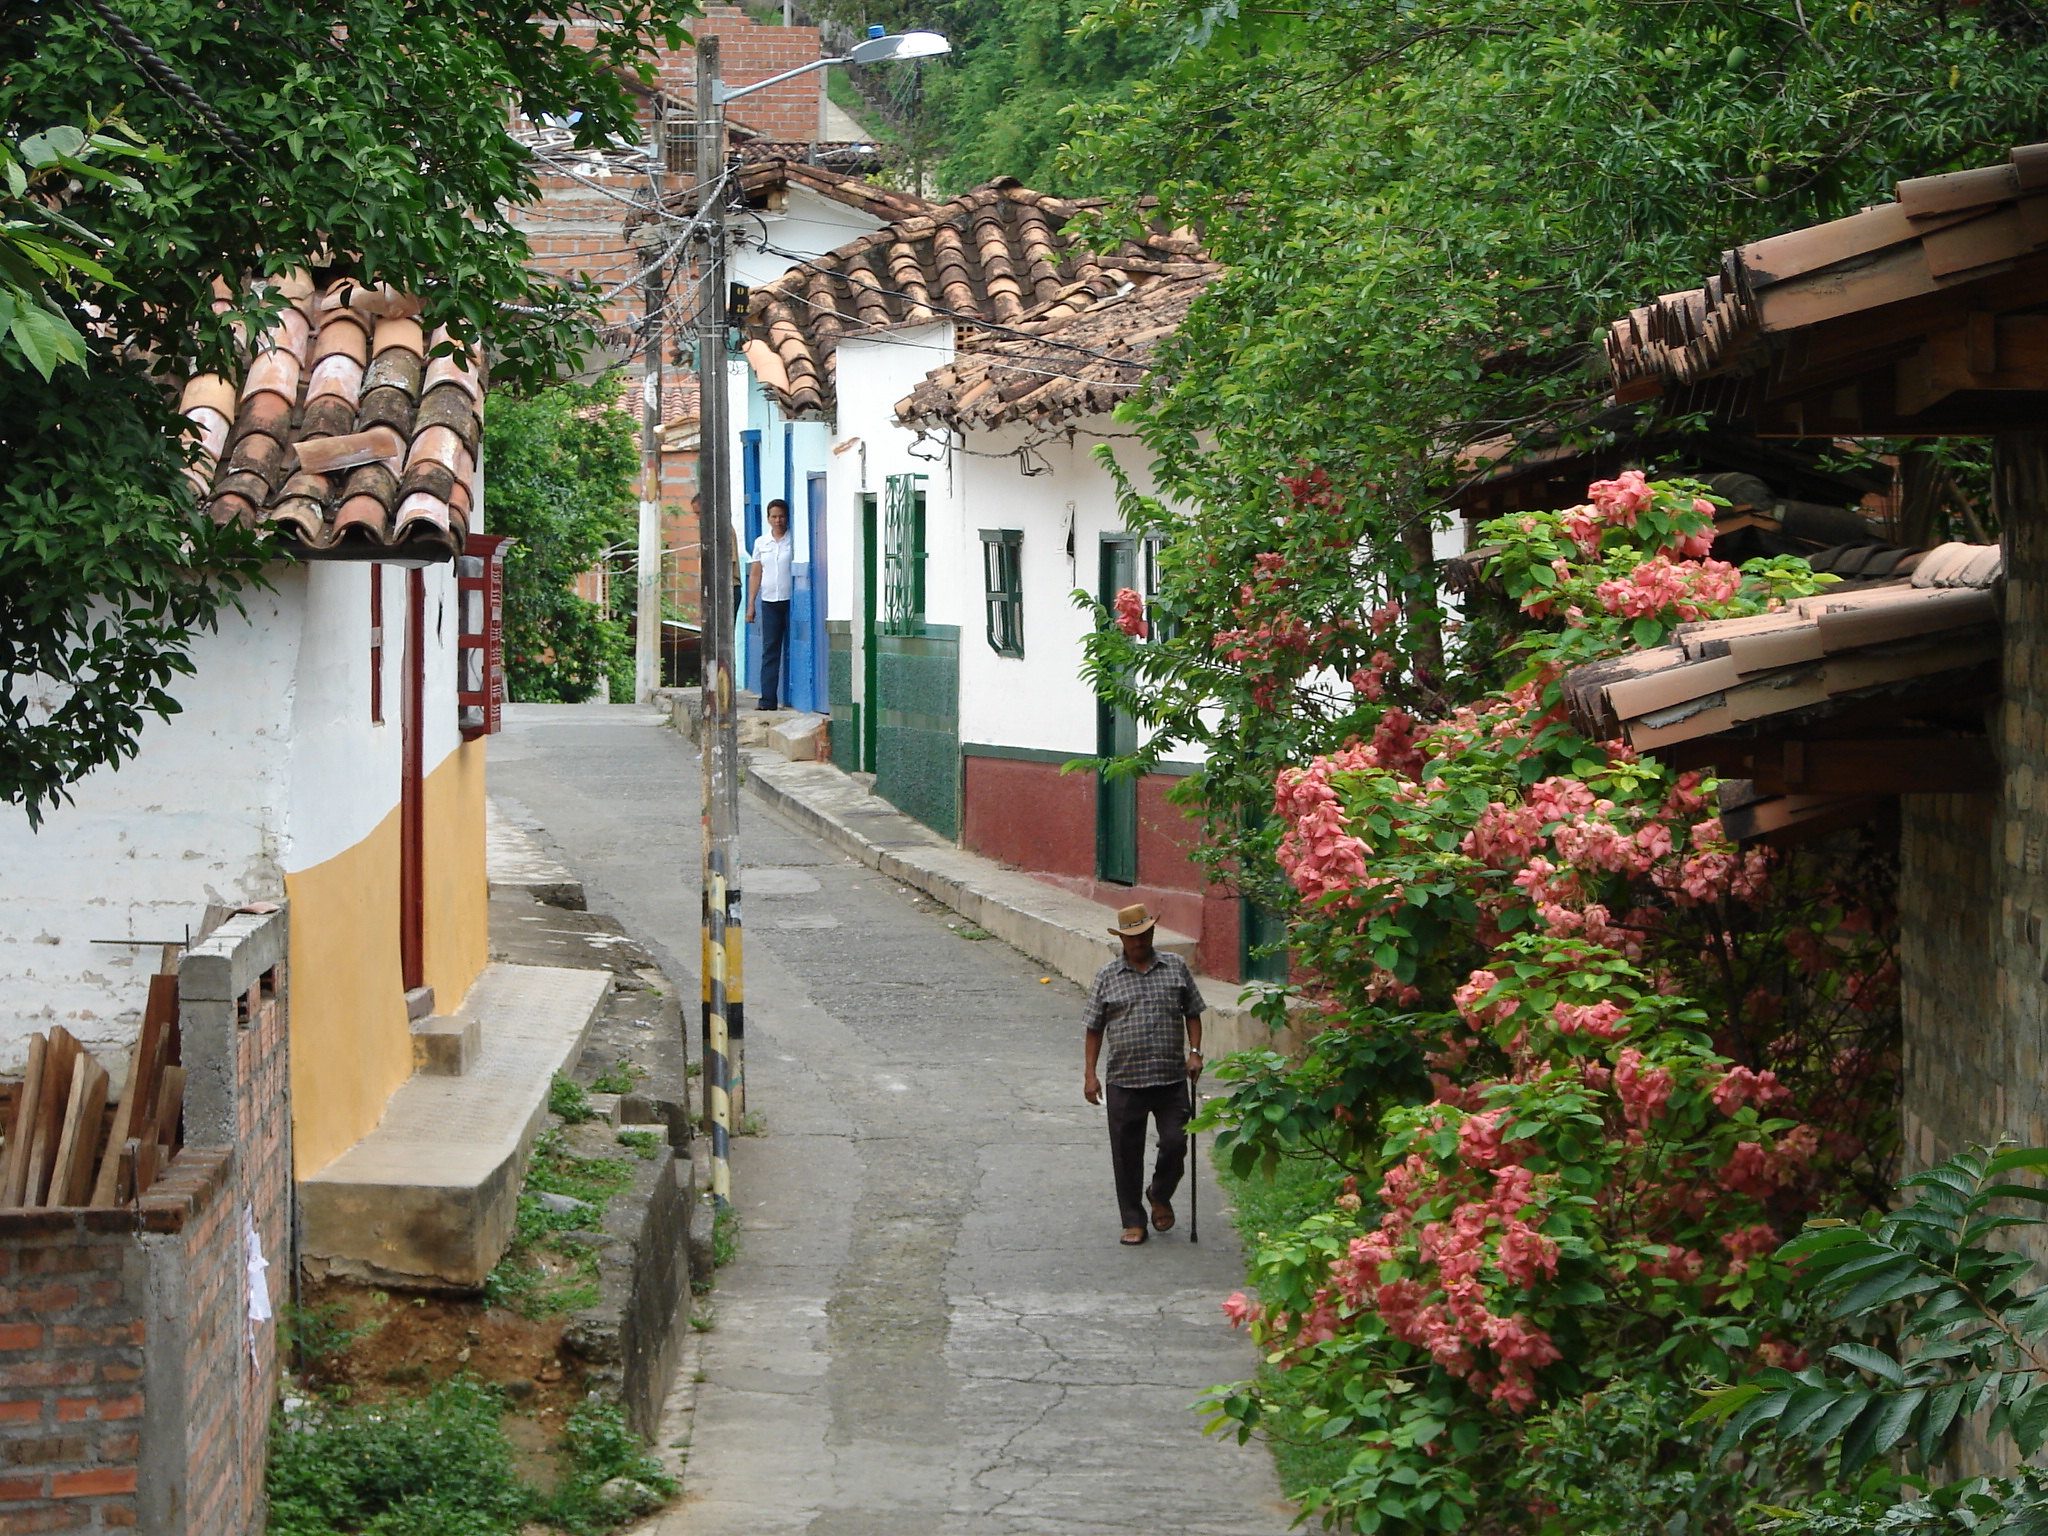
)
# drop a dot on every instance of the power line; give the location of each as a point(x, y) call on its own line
point(166, 78)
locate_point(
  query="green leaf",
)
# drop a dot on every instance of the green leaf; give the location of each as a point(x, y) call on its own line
point(1876, 1361)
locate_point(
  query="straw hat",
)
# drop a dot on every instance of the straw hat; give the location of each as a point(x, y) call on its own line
point(1131, 921)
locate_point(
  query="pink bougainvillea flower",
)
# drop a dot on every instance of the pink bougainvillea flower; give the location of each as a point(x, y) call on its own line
point(1130, 613)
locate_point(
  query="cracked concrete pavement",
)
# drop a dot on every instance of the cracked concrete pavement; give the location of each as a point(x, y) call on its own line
point(930, 1329)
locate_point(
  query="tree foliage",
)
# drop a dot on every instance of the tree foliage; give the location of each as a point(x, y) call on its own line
point(563, 463)
point(369, 136)
point(1952, 1340)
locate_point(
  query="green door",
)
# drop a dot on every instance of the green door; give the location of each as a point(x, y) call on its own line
point(1262, 941)
point(1116, 734)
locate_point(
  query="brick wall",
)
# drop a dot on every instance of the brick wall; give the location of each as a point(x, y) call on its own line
point(1973, 905)
point(1974, 886)
point(135, 1392)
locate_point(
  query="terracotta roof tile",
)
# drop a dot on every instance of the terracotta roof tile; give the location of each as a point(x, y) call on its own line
point(1723, 346)
point(344, 434)
point(994, 255)
point(1089, 347)
point(1938, 615)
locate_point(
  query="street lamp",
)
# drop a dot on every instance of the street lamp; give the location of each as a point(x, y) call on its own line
point(722, 962)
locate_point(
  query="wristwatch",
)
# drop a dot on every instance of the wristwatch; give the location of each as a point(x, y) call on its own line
point(1194, 1051)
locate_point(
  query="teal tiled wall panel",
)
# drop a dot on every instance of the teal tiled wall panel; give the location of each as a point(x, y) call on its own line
point(839, 695)
point(917, 733)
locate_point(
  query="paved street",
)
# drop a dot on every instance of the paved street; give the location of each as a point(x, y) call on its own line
point(931, 1329)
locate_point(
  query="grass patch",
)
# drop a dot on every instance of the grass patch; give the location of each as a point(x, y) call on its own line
point(1275, 1203)
point(646, 1143)
point(568, 1102)
point(440, 1465)
point(541, 1275)
point(619, 1077)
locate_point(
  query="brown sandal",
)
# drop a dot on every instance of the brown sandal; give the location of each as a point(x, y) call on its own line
point(1162, 1216)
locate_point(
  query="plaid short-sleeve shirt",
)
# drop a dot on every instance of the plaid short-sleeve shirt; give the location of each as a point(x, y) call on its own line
point(1140, 1015)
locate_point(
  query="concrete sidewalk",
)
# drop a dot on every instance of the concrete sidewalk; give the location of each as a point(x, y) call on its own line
point(1063, 931)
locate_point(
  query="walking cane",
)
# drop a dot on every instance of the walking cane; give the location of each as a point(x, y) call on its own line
point(1194, 1175)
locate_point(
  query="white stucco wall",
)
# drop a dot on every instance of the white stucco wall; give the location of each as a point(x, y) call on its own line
point(1040, 700)
point(808, 225)
point(273, 765)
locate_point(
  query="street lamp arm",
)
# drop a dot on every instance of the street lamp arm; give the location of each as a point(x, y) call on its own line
point(735, 92)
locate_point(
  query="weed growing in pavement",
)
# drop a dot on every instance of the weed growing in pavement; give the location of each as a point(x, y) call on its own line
point(619, 1077)
point(752, 1123)
point(703, 1320)
point(725, 1237)
point(693, 1069)
point(974, 931)
point(568, 1102)
point(540, 1275)
point(646, 1143)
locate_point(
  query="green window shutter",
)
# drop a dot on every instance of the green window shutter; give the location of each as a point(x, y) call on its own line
point(1003, 584)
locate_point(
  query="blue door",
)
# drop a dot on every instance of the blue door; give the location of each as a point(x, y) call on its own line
point(821, 639)
point(803, 620)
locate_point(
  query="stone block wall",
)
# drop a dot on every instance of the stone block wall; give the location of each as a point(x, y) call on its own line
point(135, 1383)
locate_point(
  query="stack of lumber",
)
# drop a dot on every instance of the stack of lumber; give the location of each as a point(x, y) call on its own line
point(64, 1145)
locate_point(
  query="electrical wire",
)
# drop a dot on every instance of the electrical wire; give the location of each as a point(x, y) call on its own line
point(165, 77)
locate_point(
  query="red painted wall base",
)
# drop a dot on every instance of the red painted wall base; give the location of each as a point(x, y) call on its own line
point(1037, 819)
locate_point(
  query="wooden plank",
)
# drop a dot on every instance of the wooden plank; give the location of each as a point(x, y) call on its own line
point(170, 1109)
point(124, 1185)
point(148, 1160)
point(103, 1189)
point(58, 1063)
point(89, 1119)
point(152, 1047)
point(75, 1106)
point(22, 1128)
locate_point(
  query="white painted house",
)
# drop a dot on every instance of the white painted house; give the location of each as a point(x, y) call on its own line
point(329, 750)
point(966, 361)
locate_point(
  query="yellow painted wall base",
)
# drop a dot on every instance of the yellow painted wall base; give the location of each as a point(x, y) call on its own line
point(351, 1043)
point(456, 892)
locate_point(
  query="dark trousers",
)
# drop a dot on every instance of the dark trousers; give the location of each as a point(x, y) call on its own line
point(774, 638)
point(1129, 1109)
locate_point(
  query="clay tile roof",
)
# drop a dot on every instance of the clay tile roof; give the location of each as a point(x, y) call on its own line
point(1887, 273)
point(997, 255)
point(1089, 347)
point(1936, 616)
point(344, 434)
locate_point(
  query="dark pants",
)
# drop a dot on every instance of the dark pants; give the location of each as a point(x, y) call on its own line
point(774, 637)
point(1129, 1108)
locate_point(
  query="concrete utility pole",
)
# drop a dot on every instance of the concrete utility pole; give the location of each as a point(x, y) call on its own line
point(723, 962)
point(653, 342)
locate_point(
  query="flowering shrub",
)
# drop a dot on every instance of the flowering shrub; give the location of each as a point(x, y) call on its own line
point(1588, 1060)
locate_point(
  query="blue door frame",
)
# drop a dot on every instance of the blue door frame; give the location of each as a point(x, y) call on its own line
point(750, 522)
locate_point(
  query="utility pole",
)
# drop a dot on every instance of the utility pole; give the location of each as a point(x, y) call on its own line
point(653, 344)
point(723, 962)
point(723, 959)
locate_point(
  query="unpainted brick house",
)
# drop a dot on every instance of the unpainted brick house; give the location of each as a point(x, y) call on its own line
point(1924, 317)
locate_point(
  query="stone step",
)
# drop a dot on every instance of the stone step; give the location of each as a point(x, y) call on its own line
point(444, 1045)
point(426, 1200)
point(515, 861)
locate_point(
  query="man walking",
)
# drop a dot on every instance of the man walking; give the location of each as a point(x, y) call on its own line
point(771, 583)
point(1148, 1006)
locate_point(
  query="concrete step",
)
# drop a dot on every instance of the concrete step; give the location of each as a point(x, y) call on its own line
point(444, 1045)
point(427, 1199)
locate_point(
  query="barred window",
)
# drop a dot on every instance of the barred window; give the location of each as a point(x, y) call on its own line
point(1002, 562)
point(903, 555)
